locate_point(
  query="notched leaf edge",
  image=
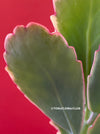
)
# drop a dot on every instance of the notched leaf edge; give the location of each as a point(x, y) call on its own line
point(21, 27)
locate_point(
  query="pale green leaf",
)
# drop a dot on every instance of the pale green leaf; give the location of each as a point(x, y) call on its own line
point(94, 84)
point(79, 22)
point(46, 70)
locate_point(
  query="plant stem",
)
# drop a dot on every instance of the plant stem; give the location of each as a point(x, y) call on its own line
point(84, 128)
point(92, 118)
point(88, 123)
point(87, 113)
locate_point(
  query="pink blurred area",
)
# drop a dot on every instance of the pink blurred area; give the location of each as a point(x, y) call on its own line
point(17, 114)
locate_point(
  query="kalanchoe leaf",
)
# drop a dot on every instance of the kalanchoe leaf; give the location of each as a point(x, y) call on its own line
point(95, 129)
point(94, 84)
point(79, 22)
point(46, 70)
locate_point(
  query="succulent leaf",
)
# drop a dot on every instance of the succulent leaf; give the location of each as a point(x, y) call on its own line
point(48, 73)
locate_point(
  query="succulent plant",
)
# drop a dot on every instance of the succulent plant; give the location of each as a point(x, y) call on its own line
point(60, 71)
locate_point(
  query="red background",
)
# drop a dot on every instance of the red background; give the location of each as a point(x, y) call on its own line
point(17, 114)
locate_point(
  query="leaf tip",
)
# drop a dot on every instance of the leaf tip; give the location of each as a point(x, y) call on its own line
point(54, 22)
point(8, 37)
point(18, 28)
